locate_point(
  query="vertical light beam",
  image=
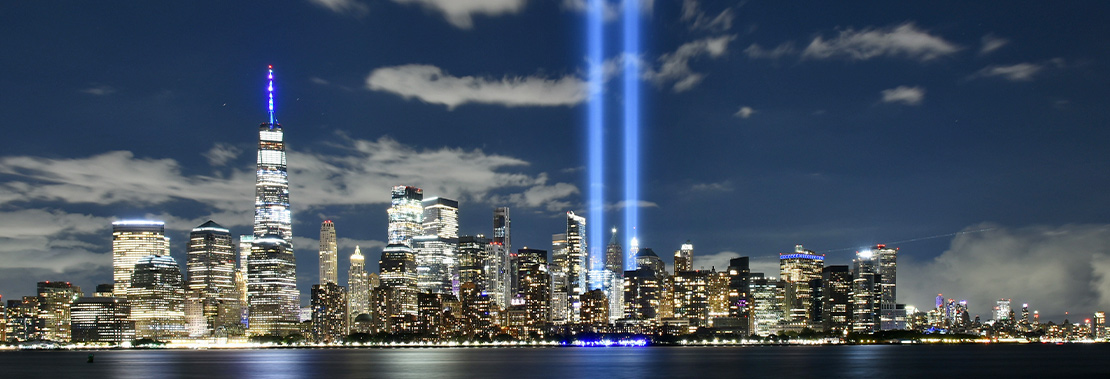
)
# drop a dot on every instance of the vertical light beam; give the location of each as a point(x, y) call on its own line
point(270, 89)
point(631, 123)
point(595, 44)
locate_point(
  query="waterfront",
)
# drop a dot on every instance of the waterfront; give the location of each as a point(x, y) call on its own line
point(1016, 360)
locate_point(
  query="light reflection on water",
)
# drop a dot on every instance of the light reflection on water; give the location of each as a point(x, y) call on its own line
point(494, 363)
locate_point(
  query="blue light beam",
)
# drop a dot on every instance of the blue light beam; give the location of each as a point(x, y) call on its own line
point(631, 123)
point(595, 44)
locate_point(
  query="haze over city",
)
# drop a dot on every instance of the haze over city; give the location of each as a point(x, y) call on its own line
point(839, 129)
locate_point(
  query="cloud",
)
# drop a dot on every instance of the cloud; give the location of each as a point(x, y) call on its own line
point(1054, 269)
point(101, 90)
point(675, 66)
point(754, 51)
point(612, 10)
point(433, 85)
point(353, 7)
point(460, 13)
point(319, 81)
point(905, 41)
point(725, 186)
point(550, 197)
point(51, 240)
point(221, 153)
point(992, 43)
point(350, 171)
point(625, 204)
point(744, 112)
point(698, 20)
point(1015, 73)
point(905, 95)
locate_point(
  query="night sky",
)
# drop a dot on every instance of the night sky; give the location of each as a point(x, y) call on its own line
point(765, 124)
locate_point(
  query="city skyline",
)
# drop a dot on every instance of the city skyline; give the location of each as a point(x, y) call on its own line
point(831, 132)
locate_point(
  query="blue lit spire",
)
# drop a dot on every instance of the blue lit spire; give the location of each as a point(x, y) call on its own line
point(270, 89)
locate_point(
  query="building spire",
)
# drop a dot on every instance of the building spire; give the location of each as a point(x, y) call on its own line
point(270, 89)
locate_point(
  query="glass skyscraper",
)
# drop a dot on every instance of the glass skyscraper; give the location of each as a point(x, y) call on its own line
point(406, 215)
point(131, 241)
point(210, 263)
point(436, 264)
point(157, 297)
point(329, 253)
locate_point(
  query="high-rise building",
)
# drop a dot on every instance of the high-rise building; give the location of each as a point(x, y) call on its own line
point(767, 295)
point(406, 215)
point(358, 284)
point(691, 296)
point(836, 291)
point(102, 319)
point(398, 273)
point(684, 258)
point(131, 241)
point(273, 300)
point(614, 254)
point(800, 271)
point(329, 253)
point(210, 264)
point(436, 262)
point(245, 243)
point(718, 296)
point(476, 315)
point(1002, 310)
point(23, 323)
point(157, 297)
point(611, 276)
point(595, 308)
point(329, 313)
point(866, 292)
point(891, 316)
point(644, 292)
point(55, 300)
point(474, 254)
point(535, 288)
point(560, 304)
point(272, 214)
point(646, 258)
point(576, 256)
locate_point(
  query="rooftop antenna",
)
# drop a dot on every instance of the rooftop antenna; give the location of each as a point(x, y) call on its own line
point(270, 89)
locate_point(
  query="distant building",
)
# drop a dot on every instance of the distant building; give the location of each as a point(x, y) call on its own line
point(406, 215)
point(358, 284)
point(684, 258)
point(535, 288)
point(576, 263)
point(23, 322)
point(210, 264)
point(329, 313)
point(739, 292)
point(157, 297)
point(329, 253)
point(559, 268)
point(55, 300)
point(273, 300)
point(800, 271)
point(398, 274)
point(866, 293)
point(132, 241)
point(436, 259)
point(595, 308)
point(642, 294)
point(102, 319)
point(836, 290)
point(892, 316)
point(691, 297)
point(767, 295)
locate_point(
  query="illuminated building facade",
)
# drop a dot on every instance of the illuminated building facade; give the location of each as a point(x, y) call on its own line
point(55, 301)
point(210, 264)
point(1002, 310)
point(800, 272)
point(892, 316)
point(560, 304)
point(131, 241)
point(358, 284)
point(245, 243)
point(23, 323)
point(535, 288)
point(474, 256)
point(642, 294)
point(836, 298)
point(739, 292)
point(502, 285)
point(406, 215)
point(157, 298)
point(102, 319)
point(767, 295)
point(866, 293)
point(718, 295)
point(272, 214)
point(576, 262)
point(612, 281)
point(273, 300)
point(477, 318)
point(329, 313)
point(436, 262)
point(691, 297)
point(595, 308)
point(398, 274)
point(684, 258)
point(329, 253)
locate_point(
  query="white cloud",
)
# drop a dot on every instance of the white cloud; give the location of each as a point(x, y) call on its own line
point(625, 204)
point(904, 94)
point(992, 43)
point(744, 112)
point(612, 9)
point(906, 41)
point(460, 13)
point(343, 6)
point(221, 153)
point(1014, 73)
point(724, 186)
point(1054, 269)
point(319, 81)
point(433, 85)
point(675, 66)
point(698, 20)
point(100, 90)
point(754, 51)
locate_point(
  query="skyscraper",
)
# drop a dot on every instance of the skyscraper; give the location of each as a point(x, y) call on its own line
point(836, 290)
point(891, 317)
point(102, 319)
point(800, 271)
point(272, 215)
point(684, 258)
point(358, 284)
point(505, 285)
point(398, 274)
point(55, 303)
point(614, 283)
point(535, 287)
point(329, 312)
point(739, 292)
point(329, 254)
point(210, 264)
point(766, 305)
point(576, 266)
point(131, 241)
point(274, 305)
point(866, 292)
point(406, 215)
point(560, 305)
point(436, 264)
point(157, 297)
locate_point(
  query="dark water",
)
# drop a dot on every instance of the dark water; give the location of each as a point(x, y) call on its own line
point(1011, 361)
